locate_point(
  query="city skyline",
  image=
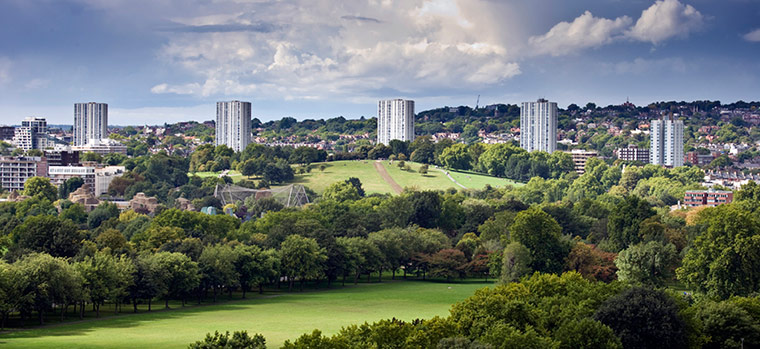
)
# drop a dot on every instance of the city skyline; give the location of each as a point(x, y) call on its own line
point(160, 60)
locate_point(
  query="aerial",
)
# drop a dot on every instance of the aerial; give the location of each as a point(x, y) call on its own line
point(379, 174)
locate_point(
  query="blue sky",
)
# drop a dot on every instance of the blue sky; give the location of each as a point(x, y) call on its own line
point(156, 61)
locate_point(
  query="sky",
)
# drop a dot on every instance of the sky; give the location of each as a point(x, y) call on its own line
point(163, 61)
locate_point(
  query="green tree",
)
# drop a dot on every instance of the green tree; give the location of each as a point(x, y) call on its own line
point(49, 234)
point(586, 333)
point(650, 264)
point(68, 186)
point(727, 325)
point(624, 221)
point(239, 340)
point(456, 157)
point(50, 281)
point(13, 287)
point(302, 258)
point(182, 275)
point(341, 191)
point(540, 233)
point(516, 263)
point(217, 266)
point(723, 259)
point(41, 187)
point(448, 263)
point(105, 278)
point(644, 318)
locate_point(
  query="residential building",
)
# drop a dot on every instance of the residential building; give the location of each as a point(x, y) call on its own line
point(104, 176)
point(233, 124)
point(101, 146)
point(538, 126)
point(698, 159)
point(694, 198)
point(666, 142)
point(15, 170)
point(395, 120)
point(62, 157)
point(7, 133)
point(59, 174)
point(32, 134)
point(90, 122)
point(633, 153)
point(580, 157)
point(84, 196)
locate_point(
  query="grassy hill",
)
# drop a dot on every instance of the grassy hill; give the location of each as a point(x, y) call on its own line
point(373, 182)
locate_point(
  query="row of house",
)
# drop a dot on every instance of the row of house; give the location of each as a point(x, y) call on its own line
point(16, 170)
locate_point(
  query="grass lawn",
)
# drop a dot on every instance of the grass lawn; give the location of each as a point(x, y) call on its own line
point(435, 179)
point(277, 316)
point(341, 170)
point(372, 182)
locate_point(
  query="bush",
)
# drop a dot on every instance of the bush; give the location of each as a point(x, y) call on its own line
point(239, 340)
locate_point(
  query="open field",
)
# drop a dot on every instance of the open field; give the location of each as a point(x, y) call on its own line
point(277, 316)
point(373, 183)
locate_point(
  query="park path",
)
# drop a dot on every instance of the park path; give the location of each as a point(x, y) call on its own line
point(387, 177)
point(452, 178)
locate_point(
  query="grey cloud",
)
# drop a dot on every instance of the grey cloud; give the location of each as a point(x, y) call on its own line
point(361, 19)
point(223, 28)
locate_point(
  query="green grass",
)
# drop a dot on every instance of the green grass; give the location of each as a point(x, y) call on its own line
point(277, 317)
point(437, 180)
point(372, 182)
point(341, 170)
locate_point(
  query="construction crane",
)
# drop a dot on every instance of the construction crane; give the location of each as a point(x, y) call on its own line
point(477, 103)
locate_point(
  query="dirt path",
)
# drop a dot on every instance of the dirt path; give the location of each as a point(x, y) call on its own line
point(387, 177)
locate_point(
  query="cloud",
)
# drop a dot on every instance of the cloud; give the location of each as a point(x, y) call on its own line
point(160, 115)
point(666, 19)
point(584, 32)
point(753, 36)
point(36, 84)
point(361, 19)
point(642, 66)
point(5, 70)
point(223, 28)
point(410, 48)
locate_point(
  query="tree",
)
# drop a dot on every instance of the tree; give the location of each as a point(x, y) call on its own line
point(69, 185)
point(447, 263)
point(456, 157)
point(150, 279)
point(40, 186)
point(723, 259)
point(540, 233)
point(49, 234)
point(389, 243)
point(302, 258)
point(426, 208)
point(13, 287)
point(586, 333)
point(182, 275)
point(341, 191)
point(255, 266)
point(357, 184)
point(423, 169)
point(727, 325)
point(644, 318)
point(50, 281)
point(625, 219)
point(516, 263)
point(217, 265)
point(239, 340)
point(650, 264)
point(105, 278)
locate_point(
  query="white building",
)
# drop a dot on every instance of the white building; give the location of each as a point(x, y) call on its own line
point(666, 142)
point(100, 146)
point(59, 174)
point(90, 122)
point(395, 120)
point(104, 176)
point(538, 126)
point(32, 134)
point(233, 124)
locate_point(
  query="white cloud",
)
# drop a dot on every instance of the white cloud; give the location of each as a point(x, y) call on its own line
point(666, 19)
point(753, 36)
point(160, 115)
point(313, 52)
point(584, 32)
point(642, 66)
point(5, 70)
point(36, 84)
